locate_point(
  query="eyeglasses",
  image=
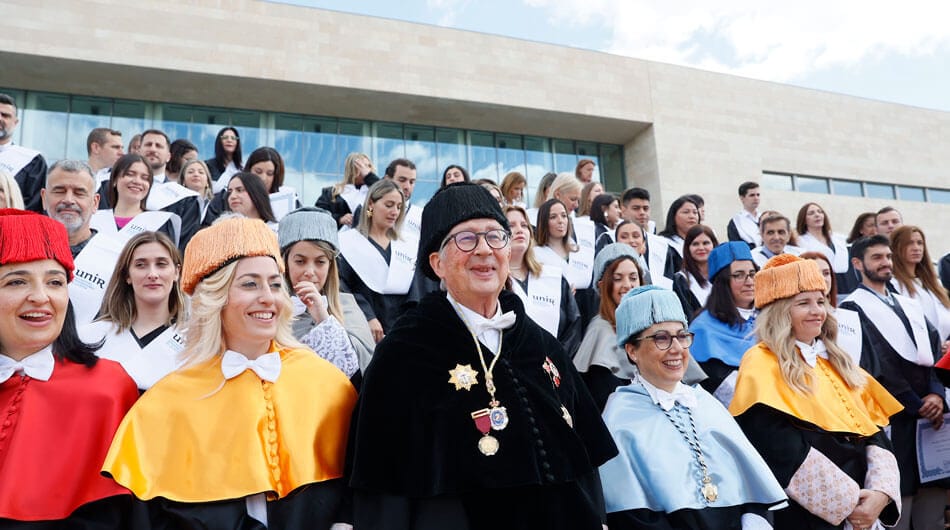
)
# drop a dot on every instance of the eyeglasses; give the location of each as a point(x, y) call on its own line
point(467, 241)
point(664, 339)
point(743, 276)
point(228, 137)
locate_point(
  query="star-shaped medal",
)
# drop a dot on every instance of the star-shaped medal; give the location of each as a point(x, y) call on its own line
point(463, 376)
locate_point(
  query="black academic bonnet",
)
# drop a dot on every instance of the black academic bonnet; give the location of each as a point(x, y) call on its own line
point(450, 206)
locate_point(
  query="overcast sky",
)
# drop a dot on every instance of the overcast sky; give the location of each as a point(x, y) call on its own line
point(891, 51)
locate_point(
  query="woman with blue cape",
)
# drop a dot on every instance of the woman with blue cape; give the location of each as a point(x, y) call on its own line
point(724, 330)
point(683, 461)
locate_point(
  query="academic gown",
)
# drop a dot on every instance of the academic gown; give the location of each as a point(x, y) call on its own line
point(386, 307)
point(53, 438)
point(145, 362)
point(719, 347)
point(337, 206)
point(188, 209)
point(413, 457)
point(654, 482)
point(569, 324)
point(793, 431)
point(683, 283)
point(195, 446)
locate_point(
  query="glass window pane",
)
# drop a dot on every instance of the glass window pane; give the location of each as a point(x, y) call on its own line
point(421, 149)
point(611, 168)
point(388, 144)
point(540, 160)
point(589, 150)
point(176, 122)
point(482, 155)
point(565, 160)
point(879, 191)
point(811, 184)
point(206, 122)
point(910, 193)
point(355, 137)
point(128, 117)
point(510, 150)
point(320, 152)
point(850, 188)
point(450, 149)
point(941, 196)
point(85, 114)
point(774, 181)
point(42, 123)
point(288, 141)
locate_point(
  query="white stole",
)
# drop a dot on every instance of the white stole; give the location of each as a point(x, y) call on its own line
point(837, 253)
point(166, 194)
point(370, 265)
point(849, 332)
point(411, 224)
point(582, 262)
point(283, 202)
point(883, 317)
point(542, 302)
point(13, 158)
point(354, 196)
point(701, 293)
point(748, 229)
point(658, 247)
point(936, 313)
point(144, 365)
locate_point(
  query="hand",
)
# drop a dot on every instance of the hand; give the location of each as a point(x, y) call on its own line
point(310, 296)
point(377, 329)
point(346, 220)
point(945, 347)
point(870, 505)
point(363, 166)
point(932, 409)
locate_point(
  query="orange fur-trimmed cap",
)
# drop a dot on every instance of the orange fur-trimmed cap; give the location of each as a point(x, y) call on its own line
point(223, 243)
point(28, 236)
point(784, 276)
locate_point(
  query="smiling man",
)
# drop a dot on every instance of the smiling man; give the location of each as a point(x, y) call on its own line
point(471, 415)
point(70, 198)
point(776, 232)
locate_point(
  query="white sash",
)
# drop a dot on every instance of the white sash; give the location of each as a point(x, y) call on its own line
point(354, 197)
point(934, 311)
point(748, 229)
point(701, 293)
point(96, 263)
point(656, 260)
point(759, 257)
point(370, 265)
point(889, 324)
point(103, 175)
point(582, 262)
point(144, 365)
point(849, 332)
point(676, 242)
point(542, 302)
point(13, 158)
point(532, 216)
point(162, 195)
point(837, 253)
point(412, 223)
point(283, 202)
point(224, 178)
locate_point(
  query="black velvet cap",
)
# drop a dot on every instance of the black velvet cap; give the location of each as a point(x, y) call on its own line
point(450, 206)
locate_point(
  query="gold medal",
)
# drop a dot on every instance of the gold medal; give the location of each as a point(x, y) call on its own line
point(710, 491)
point(463, 376)
point(488, 445)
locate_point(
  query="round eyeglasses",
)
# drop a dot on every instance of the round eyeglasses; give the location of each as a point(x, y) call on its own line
point(743, 276)
point(467, 241)
point(664, 339)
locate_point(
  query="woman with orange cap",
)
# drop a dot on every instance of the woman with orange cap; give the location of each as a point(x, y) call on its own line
point(813, 414)
point(59, 404)
point(252, 429)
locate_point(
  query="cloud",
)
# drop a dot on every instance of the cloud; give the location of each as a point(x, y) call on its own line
point(450, 10)
point(765, 40)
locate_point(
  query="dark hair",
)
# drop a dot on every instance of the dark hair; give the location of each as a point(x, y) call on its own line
point(720, 303)
point(859, 224)
point(670, 229)
point(580, 164)
point(404, 162)
point(860, 247)
point(98, 136)
point(158, 132)
point(698, 199)
point(776, 217)
point(833, 293)
point(465, 177)
point(268, 154)
point(542, 231)
point(220, 157)
point(624, 222)
point(745, 187)
point(635, 193)
point(178, 148)
point(255, 190)
point(801, 227)
point(119, 170)
point(70, 347)
point(7, 99)
point(887, 209)
point(597, 207)
point(689, 264)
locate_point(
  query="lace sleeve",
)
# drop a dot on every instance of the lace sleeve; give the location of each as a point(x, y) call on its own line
point(330, 341)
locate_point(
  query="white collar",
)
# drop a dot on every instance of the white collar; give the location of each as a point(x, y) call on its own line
point(811, 352)
point(37, 365)
point(681, 394)
point(267, 366)
point(747, 314)
point(753, 216)
point(487, 330)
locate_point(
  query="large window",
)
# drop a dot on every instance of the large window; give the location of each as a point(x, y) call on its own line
point(314, 147)
point(852, 188)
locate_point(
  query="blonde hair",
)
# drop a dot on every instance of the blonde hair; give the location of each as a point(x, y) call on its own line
point(534, 266)
point(14, 199)
point(564, 182)
point(774, 328)
point(376, 192)
point(206, 193)
point(331, 286)
point(204, 338)
point(349, 172)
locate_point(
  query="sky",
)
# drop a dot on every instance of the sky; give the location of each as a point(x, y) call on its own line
point(889, 51)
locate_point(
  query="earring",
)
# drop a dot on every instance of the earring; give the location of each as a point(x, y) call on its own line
point(369, 212)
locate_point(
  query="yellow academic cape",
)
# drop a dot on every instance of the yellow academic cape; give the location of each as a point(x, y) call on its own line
point(193, 437)
point(833, 406)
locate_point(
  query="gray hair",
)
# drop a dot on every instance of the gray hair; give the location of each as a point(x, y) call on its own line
point(71, 166)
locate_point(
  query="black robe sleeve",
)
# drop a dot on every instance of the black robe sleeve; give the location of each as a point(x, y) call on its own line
point(945, 271)
point(216, 207)
point(570, 325)
point(601, 382)
point(691, 306)
point(31, 180)
point(337, 206)
point(717, 372)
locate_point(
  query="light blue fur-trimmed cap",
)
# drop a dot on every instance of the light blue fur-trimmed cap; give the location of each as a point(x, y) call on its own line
point(644, 306)
point(307, 224)
point(608, 255)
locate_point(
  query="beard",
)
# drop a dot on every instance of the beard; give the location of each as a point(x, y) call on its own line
point(874, 276)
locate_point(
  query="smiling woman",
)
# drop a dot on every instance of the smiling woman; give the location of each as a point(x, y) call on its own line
point(60, 404)
point(288, 410)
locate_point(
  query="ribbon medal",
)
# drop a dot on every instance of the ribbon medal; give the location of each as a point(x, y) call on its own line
point(552, 372)
point(488, 444)
point(463, 376)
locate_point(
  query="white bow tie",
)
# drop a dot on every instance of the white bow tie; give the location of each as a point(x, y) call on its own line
point(267, 366)
point(38, 365)
point(812, 353)
point(497, 323)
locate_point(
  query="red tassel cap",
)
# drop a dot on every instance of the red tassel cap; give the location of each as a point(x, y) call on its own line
point(28, 236)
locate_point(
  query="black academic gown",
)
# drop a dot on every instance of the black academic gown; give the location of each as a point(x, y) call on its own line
point(385, 307)
point(569, 328)
point(413, 459)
